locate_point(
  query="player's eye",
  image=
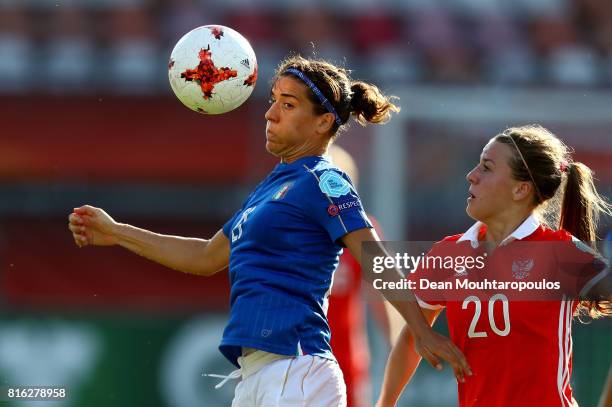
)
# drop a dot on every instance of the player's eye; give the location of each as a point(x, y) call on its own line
point(287, 105)
point(271, 100)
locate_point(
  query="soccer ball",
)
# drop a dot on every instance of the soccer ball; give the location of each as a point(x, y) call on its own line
point(212, 69)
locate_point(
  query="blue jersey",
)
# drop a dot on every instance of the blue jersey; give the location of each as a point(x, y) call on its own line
point(285, 243)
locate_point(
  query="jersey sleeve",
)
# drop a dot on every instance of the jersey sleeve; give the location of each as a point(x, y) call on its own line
point(227, 227)
point(332, 201)
point(580, 267)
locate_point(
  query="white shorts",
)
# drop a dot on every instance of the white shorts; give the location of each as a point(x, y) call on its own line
point(294, 381)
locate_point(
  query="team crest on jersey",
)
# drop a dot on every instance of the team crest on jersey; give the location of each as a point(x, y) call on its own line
point(522, 268)
point(280, 194)
point(332, 184)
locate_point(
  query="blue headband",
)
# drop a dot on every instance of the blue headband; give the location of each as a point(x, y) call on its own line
point(326, 103)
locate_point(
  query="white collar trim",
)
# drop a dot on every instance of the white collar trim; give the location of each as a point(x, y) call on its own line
point(526, 228)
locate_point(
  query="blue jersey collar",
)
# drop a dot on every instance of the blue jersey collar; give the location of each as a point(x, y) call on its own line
point(309, 161)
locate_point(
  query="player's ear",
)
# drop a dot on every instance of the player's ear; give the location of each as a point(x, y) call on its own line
point(521, 190)
point(325, 123)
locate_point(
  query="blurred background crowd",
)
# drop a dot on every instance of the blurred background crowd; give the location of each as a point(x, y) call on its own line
point(72, 46)
point(87, 116)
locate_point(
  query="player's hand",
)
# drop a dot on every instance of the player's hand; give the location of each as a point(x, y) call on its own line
point(92, 226)
point(432, 347)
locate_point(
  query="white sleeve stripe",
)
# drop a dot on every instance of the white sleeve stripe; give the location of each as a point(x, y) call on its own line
point(568, 339)
point(568, 345)
point(564, 338)
point(560, 364)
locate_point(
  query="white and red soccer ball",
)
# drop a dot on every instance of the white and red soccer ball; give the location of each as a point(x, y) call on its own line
point(212, 69)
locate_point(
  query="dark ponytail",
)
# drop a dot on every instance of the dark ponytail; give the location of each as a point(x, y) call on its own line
point(580, 212)
point(581, 203)
point(363, 100)
point(369, 105)
point(565, 193)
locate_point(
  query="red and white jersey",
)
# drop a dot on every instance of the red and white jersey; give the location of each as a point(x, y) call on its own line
point(520, 352)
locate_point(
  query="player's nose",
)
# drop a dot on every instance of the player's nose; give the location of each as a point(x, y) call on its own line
point(272, 113)
point(471, 176)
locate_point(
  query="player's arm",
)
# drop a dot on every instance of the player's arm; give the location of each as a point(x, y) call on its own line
point(599, 288)
point(602, 289)
point(402, 364)
point(429, 344)
point(599, 272)
point(93, 226)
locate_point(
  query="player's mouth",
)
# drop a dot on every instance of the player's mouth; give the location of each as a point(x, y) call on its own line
point(271, 139)
point(471, 196)
point(269, 136)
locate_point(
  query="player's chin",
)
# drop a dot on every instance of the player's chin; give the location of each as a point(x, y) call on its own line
point(273, 148)
point(471, 209)
point(478, 213)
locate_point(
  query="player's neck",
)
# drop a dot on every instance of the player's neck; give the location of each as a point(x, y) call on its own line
point(306, 151)
point(501, 227)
